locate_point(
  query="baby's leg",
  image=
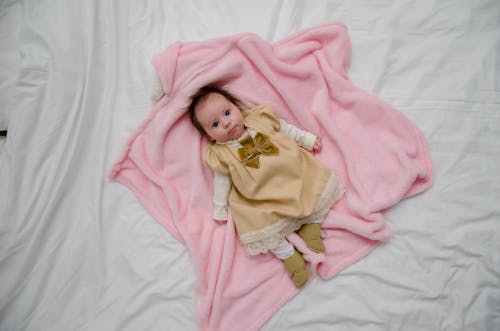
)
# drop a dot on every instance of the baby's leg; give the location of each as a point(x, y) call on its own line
point(311, 234)
point(284, 250)
point(294, 262)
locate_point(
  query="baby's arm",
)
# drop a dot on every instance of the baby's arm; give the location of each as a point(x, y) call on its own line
point(303, 138)
point(222, 185)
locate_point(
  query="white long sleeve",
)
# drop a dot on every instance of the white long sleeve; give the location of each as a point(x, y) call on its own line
point(302, 138)
point(222, 185)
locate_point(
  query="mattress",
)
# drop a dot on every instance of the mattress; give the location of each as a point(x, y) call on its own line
point(80, 252)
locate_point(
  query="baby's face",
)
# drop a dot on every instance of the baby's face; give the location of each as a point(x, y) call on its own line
point(220, 118)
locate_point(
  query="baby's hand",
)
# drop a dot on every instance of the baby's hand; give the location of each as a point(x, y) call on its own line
point(317, 145)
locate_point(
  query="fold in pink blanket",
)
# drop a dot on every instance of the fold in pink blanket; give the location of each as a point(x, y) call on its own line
point(378, 154)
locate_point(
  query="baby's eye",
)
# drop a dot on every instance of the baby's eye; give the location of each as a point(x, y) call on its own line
point(228, 112)
point(215, 124)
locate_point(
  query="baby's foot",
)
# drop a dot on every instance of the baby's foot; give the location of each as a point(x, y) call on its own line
point(296, 266)
point(311, 234)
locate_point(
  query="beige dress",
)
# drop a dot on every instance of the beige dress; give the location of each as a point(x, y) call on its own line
point(288, 188)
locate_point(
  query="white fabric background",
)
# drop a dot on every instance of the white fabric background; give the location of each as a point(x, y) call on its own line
point(10, 25)
point(78, 252)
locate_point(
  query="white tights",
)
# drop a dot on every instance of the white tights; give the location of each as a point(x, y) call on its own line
point(284, 250)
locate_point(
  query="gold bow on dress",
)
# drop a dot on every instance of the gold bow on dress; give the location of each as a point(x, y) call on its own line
point(253, 147)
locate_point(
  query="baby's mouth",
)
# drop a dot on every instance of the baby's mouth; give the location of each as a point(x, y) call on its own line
point(233, 130)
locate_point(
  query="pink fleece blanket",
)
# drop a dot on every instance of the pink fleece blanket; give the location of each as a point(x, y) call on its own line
point(378, 154)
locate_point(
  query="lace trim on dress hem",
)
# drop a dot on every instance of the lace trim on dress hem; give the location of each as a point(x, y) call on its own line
point(262, 240)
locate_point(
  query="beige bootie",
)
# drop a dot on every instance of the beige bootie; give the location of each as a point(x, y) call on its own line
point(296, 266)
point(311, 234)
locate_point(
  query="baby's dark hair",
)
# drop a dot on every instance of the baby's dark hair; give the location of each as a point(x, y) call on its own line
point(203, 93)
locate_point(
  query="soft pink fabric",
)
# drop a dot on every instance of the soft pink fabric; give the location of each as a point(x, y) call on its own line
point(378, 154)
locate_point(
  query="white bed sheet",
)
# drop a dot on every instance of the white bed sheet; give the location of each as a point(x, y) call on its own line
point(10, 24)
point(78, 252)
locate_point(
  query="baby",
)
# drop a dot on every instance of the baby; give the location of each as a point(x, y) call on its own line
point(272, 186)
